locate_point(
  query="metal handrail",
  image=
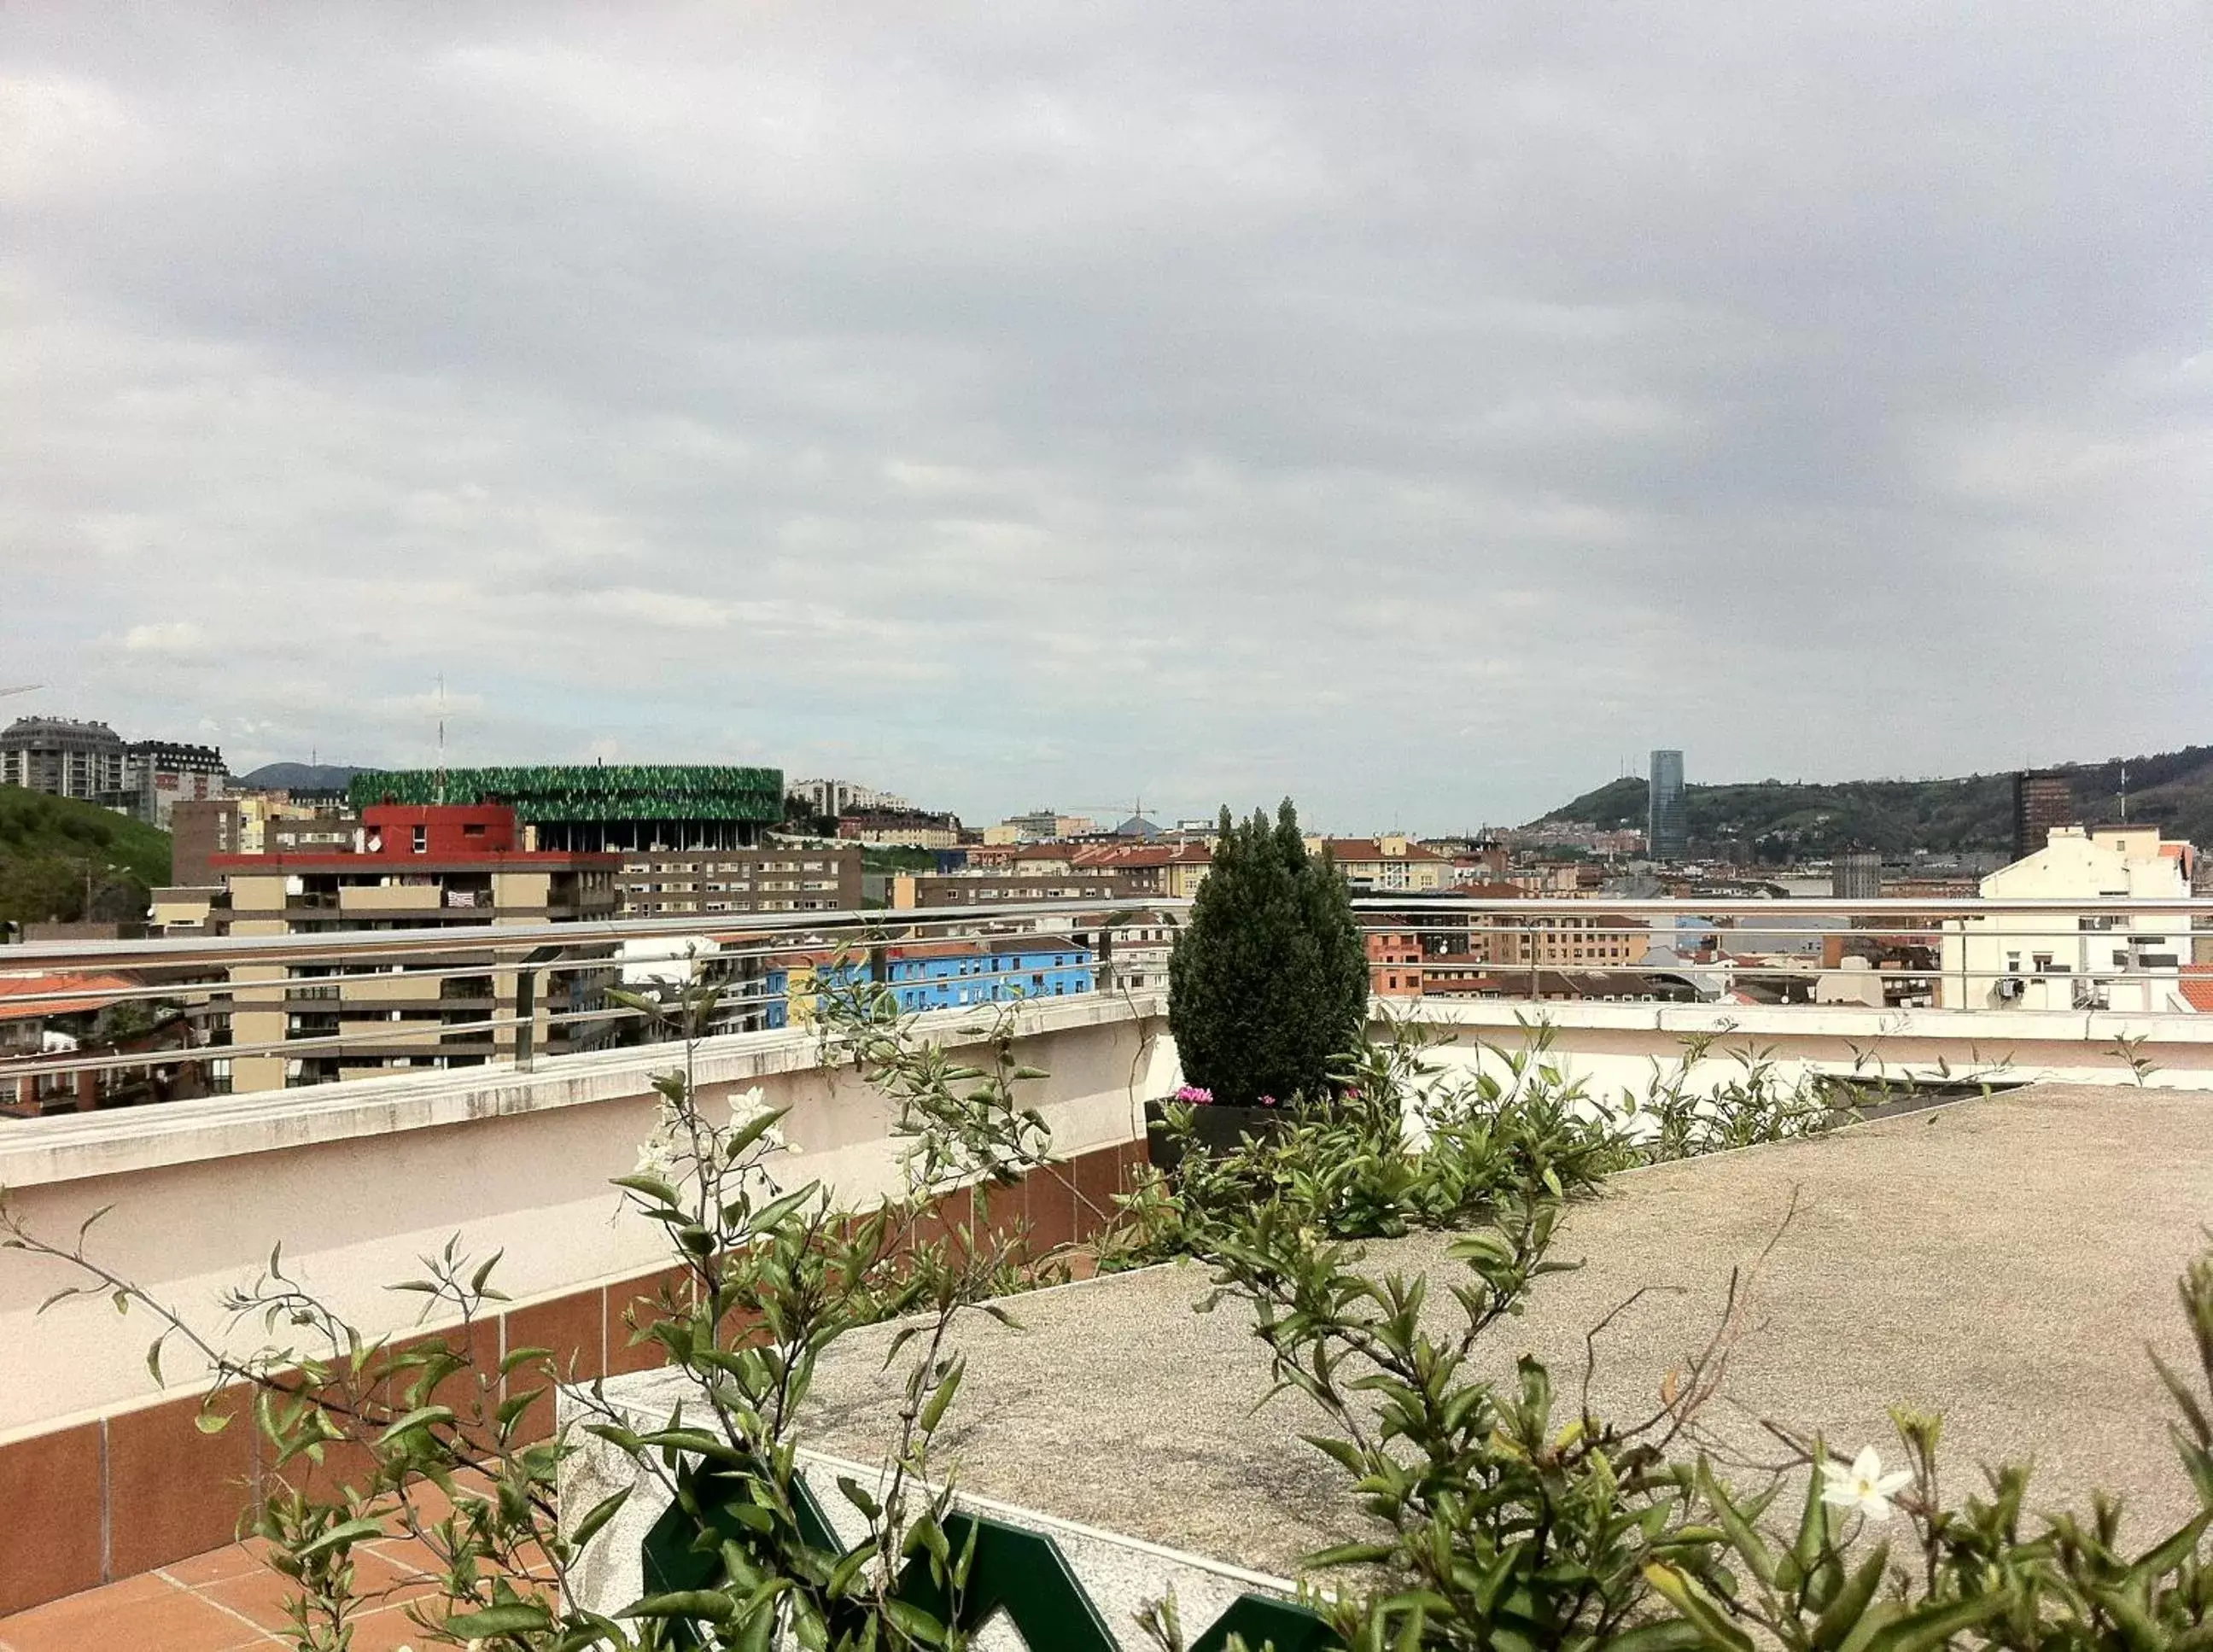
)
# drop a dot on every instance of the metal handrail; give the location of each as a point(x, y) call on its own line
point(174, 951)
point(1548, 937)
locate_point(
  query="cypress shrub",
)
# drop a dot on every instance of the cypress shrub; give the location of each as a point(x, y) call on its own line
point(1269, 981)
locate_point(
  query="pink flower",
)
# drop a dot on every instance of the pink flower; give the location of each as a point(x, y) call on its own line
point(1267, 1101)
point(1194, 1094)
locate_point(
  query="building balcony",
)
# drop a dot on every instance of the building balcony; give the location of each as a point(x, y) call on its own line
point(382, 898)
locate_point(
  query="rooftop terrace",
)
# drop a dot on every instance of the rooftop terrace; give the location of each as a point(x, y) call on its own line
point(2001, 1260)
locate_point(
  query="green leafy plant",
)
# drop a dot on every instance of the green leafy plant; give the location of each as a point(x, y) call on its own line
point(1269, 982)
point(2129, 1049)
point(1503, 1519)
point(1350, 1169)
point(1685, 1112)
point(428, 1438)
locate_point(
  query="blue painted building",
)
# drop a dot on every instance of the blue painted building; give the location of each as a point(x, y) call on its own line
point(943, 975)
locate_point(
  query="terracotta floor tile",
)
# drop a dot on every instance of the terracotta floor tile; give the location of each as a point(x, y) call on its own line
point(378, 1582)
point(386, 1581)
point(147, 1611)
point(388, 1630)
point(232, 1560)
point(411, 1555)
point(257, 1596)
point(432, 1505)
point(91, 1604)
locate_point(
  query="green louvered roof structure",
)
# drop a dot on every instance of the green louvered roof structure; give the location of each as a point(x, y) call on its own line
point(601, 806)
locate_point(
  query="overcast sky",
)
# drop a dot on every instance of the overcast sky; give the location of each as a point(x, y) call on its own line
point(1421, 411)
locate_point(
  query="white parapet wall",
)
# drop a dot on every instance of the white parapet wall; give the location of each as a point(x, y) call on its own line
point(358, 1181)
point(1614, 1048)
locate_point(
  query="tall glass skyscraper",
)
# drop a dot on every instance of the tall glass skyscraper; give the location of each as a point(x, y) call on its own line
point(1666, 819)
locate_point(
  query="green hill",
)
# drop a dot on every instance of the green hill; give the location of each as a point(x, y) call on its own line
point(49, 844)
point(1781, 819)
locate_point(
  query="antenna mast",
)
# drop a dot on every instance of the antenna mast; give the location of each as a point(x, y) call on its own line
point(442, 737)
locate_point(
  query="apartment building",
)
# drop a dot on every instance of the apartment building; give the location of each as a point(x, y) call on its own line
point(1560, 941)
point(1555, 880)
point(1171, 871)
point(2042, 799)
point(89, 761)
point(889, 828)
point(1134, 952)
point(673, 883)
point(2053, 960)
point(924, 891)
point(831, 798)
point(1385, 864)
point(160, 774)
point(1039, 825)
point(256, 824)
point(602, 808)
point(933, 974)
point(53, 1012)
point(1481, 941)
point(1461, 978)
point(413, 867)
point(1394, 963)
point(63, 757)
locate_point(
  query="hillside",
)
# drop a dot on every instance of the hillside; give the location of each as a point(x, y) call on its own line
point(300, 776)
point(49, 844)
point(1780, 818)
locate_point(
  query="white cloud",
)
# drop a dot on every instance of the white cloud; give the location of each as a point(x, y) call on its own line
point(1417, 411)
point(669, 610)
point(55, 130)
point(173, 639)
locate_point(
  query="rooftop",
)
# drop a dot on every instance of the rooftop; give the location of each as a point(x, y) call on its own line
point(2004, 1260)
point(29, 996)
point(2017, 1303)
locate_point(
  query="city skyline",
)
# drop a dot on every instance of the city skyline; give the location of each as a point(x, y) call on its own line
point(1413, 414)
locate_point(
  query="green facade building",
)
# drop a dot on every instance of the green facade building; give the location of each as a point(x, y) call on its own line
point(602, 807)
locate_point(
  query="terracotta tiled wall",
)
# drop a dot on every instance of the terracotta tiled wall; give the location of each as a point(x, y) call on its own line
point(103, 1500)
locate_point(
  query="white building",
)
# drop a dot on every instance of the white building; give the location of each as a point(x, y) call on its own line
point(1136, 957)
point(160, 774)
point(835, 797)
point(63, 757)
point(2061, 960)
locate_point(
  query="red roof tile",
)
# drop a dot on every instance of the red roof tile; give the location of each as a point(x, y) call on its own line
point(21, 995)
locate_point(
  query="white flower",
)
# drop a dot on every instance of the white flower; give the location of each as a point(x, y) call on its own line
point(745, 1104)
point(748, 1105)
point(657, 1156)
point(1862, 1485)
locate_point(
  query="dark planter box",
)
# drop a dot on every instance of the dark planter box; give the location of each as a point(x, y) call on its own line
point(1916, 1097)
point(1217, 1129)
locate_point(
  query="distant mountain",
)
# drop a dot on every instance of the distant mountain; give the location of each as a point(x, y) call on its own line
point(1780, 818)
point(301, 777)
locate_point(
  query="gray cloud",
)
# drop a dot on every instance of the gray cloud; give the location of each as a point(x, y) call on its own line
point(1419, 412)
